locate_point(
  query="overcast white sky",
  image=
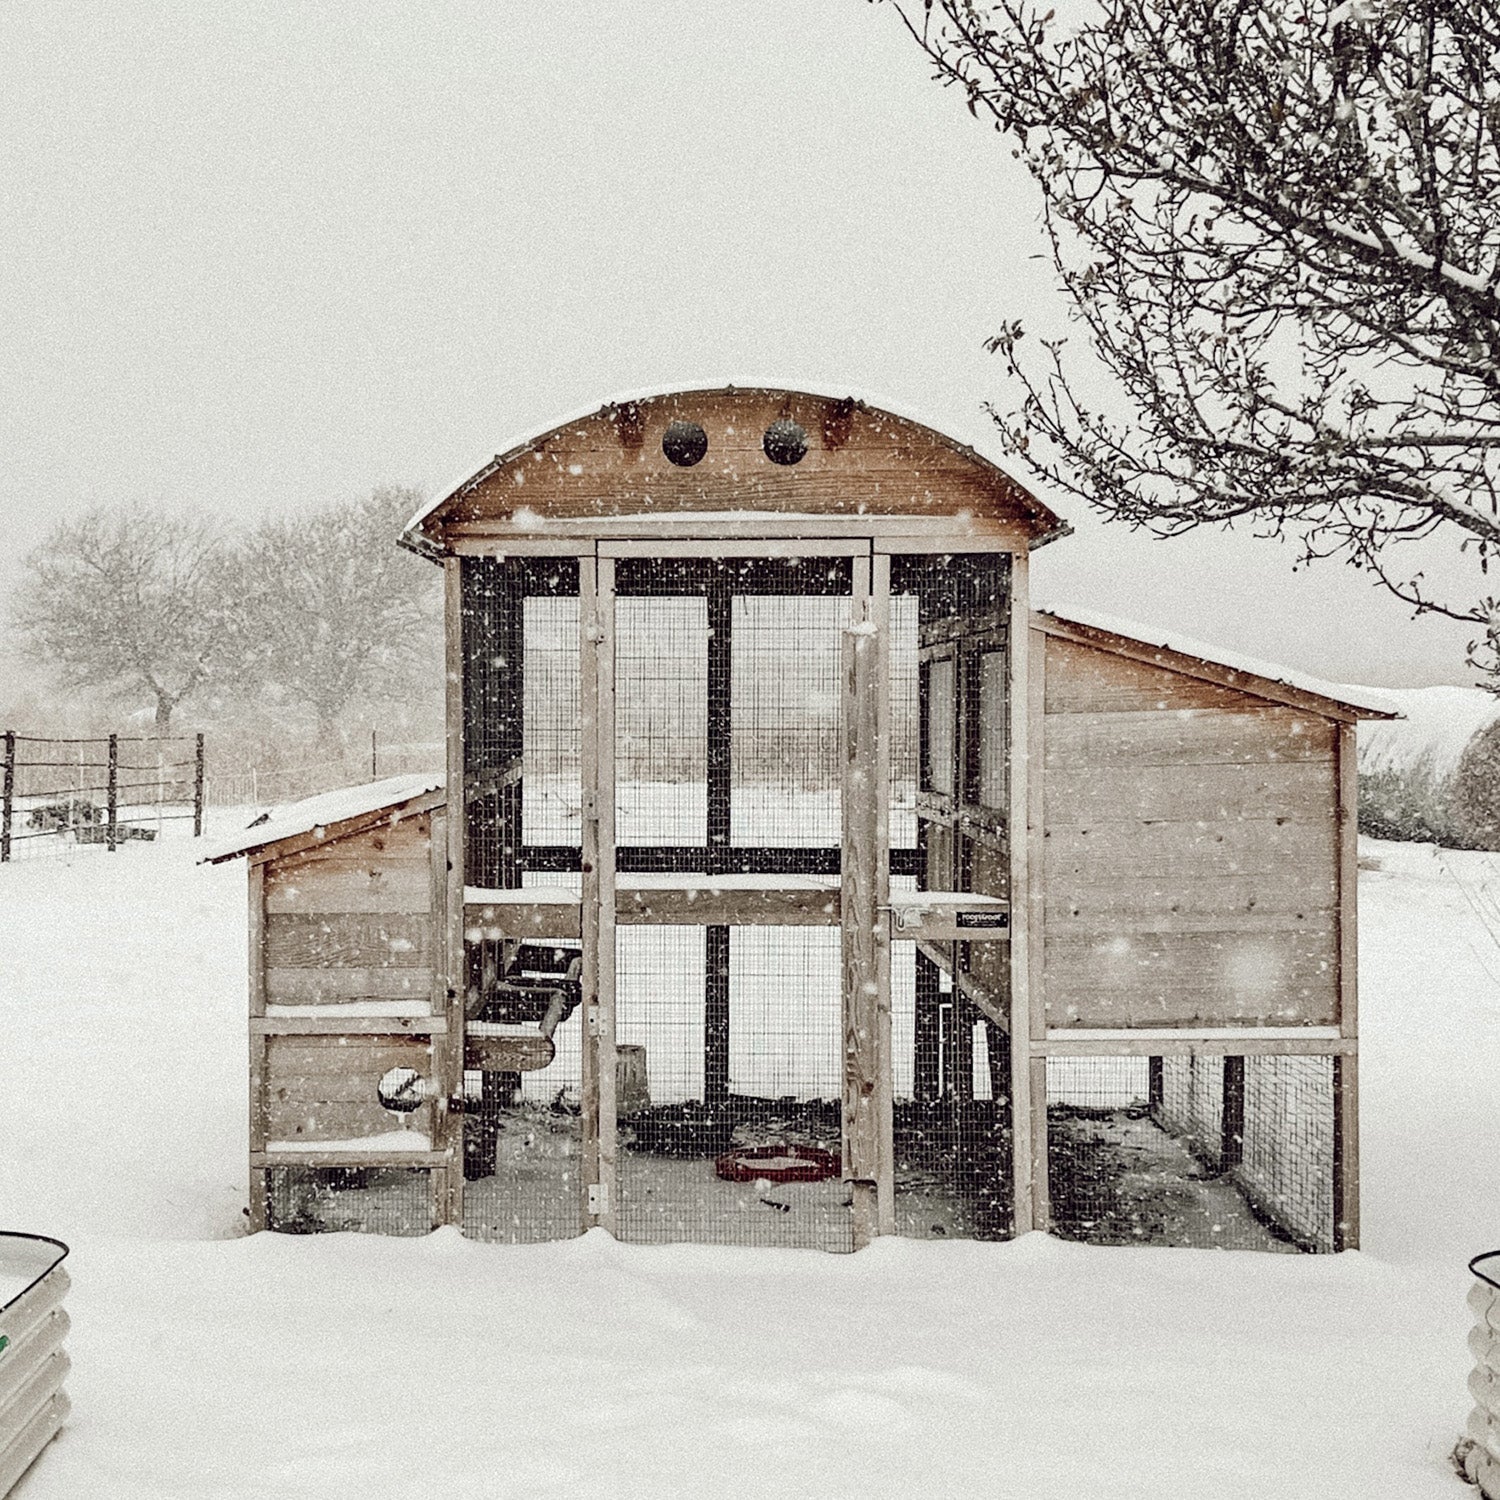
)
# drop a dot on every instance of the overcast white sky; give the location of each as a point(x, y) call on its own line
point(261, 256)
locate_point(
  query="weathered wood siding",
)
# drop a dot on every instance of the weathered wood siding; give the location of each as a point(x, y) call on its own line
point(340, 929)
point(323, 1088)
point(352, 920)
point(1190, 851)
point(860, 462)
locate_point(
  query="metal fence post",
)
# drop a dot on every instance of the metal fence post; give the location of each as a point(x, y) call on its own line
point(111, 830)
point(7, 793)
point(198, 788)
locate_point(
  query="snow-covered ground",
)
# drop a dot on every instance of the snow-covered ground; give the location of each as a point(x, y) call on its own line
point(210, 1365)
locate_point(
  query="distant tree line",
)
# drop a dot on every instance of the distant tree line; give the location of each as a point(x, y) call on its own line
point(309, 616)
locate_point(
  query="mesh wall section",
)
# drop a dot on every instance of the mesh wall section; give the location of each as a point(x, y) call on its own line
point(1234, 1152)
point(501, 616)
point(1287, 1166)
point(1190, 1104)
point(951, 1111)
point(702, 1164)
point(784, 717)
point(552, 794)
point(366, 1200)
point(661, 721)
point(522, 1131)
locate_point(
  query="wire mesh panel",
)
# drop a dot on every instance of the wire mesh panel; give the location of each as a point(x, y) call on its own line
point(784, 714)
point(1188, 1100)
point(105, 793)
point(366, 1200)
point(515, 618)
point(758, 1162)
point(1287, 1163)
point(522, 1127)
point(552, 795)
point(522, 758)
point(661, 720)
point(727, 681)
point(952, 1117)
point(1140, 1151)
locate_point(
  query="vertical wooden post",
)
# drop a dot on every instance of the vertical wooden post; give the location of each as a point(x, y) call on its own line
point(960, 1048)
point(1346, 1152)
point(449, 909)
point(885, 1093)
point(1346, 1067)
point(599, 1178)
point(1028, 1065)
point(112, 794)
point(447, 1135)
point(198, 765)
point(863, 910)
point(7, 794)
point(258, 1043)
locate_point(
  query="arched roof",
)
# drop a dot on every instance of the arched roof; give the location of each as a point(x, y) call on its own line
point(860, 460)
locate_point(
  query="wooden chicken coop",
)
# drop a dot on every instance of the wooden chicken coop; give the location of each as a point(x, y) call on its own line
point(797, 882)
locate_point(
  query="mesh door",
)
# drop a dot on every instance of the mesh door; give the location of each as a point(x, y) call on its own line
point(688, 1156)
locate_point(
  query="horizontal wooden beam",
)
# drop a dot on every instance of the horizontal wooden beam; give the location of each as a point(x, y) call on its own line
point(1194, 1045)
point(355, 1025)
point(738, 546)
point(694, 859)
point(949, 533)
point(313, 1158)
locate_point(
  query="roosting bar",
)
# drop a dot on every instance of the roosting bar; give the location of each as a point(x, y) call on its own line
point(806, 885)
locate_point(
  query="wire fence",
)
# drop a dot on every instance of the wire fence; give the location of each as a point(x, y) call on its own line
point(241, 779)
point(98, 792)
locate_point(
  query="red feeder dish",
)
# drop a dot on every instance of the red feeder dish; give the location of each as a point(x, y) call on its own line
point(784, 1162)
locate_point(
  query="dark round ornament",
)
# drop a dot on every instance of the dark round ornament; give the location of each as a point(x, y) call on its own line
point(785, 442)
point(684, 443)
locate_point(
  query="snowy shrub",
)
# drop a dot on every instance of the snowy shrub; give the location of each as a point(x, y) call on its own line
point(1476, 790)
point(1412, 802)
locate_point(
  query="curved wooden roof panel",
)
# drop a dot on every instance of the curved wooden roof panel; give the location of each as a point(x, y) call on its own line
point(860, 461)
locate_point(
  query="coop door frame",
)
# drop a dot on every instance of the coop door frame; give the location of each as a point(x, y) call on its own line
point(864, 883)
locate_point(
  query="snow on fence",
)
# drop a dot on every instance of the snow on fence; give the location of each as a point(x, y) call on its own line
point(1479, 1450)
point(100, 792)
point(33, 1363)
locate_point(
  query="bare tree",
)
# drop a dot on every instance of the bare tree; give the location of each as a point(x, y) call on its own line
point(126, 601)
point(328, 610)
point(1278, 226)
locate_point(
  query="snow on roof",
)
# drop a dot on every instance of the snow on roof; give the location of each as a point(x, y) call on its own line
point(696, 387)
point(1371, 700)
point(326, 808)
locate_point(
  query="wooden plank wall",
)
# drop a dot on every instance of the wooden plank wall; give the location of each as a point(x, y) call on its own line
point(1191, 851)
point(352, 920)
point(860, 462)
point(323, 1088)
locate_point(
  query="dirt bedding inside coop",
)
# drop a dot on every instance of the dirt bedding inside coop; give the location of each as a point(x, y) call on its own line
point(1118, 1179)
